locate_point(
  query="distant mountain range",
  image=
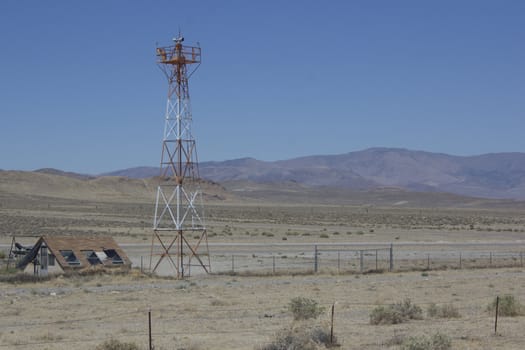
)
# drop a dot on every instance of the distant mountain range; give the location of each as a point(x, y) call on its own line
point(496, 175)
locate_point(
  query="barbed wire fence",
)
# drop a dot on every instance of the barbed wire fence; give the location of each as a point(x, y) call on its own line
point(167, 325)
point(264, 260)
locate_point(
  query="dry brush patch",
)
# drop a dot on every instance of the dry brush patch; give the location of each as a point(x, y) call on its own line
point(304, 332)
point(396, 313)
point(218, 312)
point(507, 305)
point(437, 341)
point(265, 222)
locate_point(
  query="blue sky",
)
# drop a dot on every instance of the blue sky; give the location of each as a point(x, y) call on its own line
point(80, 90)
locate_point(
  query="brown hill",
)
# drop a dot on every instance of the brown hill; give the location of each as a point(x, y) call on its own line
point(295, 193)
point(104, 188)
point(28, 185)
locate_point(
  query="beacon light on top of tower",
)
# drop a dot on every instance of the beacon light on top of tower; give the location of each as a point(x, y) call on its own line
point(178, 54)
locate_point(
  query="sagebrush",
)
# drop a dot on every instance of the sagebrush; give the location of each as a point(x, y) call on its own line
point(396, 313)
point(443, 311)
point(508, 306)
point(303, 337)
point(304, 308)
point(114, 344)
point(436, 342)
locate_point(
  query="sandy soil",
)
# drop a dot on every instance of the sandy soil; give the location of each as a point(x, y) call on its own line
point(236, 312)
point(233, 312)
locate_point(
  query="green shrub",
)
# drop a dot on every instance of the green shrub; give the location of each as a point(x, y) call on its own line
point(114, 344)
point(304, 308)
point(2, 255)
point(445, 311)
point(396, 313)
point(437, 342)
point(508, 306)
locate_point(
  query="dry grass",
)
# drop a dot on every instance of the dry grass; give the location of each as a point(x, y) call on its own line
point(129, 217)
point(249, 310)
point(218, 312)
point(443, 311)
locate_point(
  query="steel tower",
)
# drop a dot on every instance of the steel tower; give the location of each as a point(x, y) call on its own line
point(179, 213)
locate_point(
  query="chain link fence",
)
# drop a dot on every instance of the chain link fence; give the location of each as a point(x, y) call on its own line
point(267, 259)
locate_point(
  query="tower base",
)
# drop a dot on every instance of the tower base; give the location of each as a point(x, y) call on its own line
point(175, 253)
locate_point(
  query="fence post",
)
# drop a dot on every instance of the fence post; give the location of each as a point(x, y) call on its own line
point(315, 259)
point(361, 261)
point(428, 261)
point(332, 325)
point(496, 321)
point(391, 256)
point(149, 330)
point(460, 265)
point(141, 265)
point(376, 261)
point(338, 262)
point(273, 258)
point(233, 264)
point(521, 259)
point(490, 260)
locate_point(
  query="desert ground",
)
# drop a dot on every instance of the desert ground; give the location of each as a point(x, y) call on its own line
point(247, 309)
point(235, 312)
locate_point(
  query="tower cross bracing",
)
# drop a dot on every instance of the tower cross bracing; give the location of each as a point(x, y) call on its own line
point(179, 212)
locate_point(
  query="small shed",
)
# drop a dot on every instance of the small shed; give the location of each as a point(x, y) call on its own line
point(57, 254)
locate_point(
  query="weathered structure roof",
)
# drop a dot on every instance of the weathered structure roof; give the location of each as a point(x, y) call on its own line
point(80, 252)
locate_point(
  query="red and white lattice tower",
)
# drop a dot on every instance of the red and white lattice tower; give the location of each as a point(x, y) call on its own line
point(179, 223)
